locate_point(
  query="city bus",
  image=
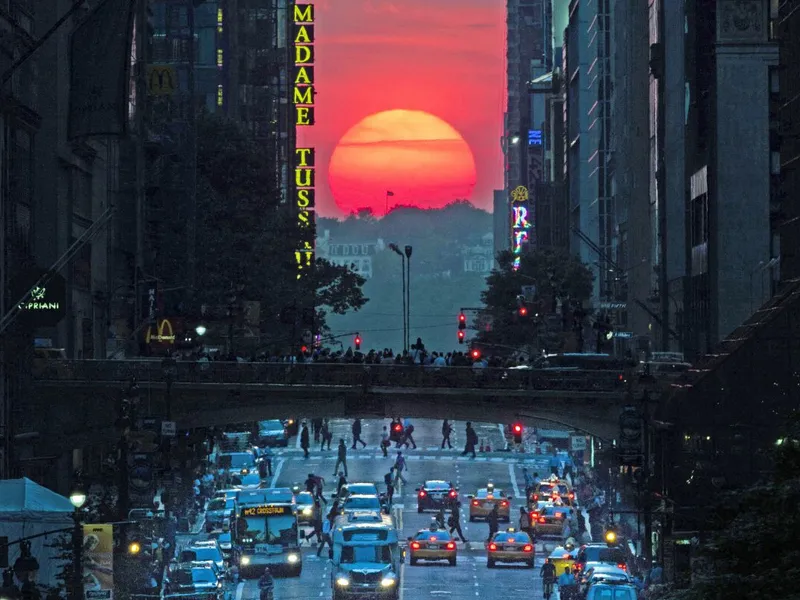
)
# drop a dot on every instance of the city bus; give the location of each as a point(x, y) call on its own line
point(366, 557)
point(268, 537)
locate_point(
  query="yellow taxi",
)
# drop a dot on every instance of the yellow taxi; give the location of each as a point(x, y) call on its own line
point(481, 504)
point(510, 546)
point(551, 521)
point(563, 557)
point(553, 490)
point(432, 545)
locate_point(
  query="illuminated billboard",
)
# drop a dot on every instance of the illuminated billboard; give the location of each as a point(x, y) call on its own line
point(520, 223)
point(303, 161)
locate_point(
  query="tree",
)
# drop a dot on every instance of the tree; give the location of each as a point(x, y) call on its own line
point(246, 240)
point(555, 276)
point(754, 553)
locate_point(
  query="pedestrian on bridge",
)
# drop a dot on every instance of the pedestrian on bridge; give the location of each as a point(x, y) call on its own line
point(341, 458)
point(356, 430)
point(447, 429)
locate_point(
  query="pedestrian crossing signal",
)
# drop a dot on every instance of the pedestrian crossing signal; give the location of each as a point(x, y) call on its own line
point(460, 337)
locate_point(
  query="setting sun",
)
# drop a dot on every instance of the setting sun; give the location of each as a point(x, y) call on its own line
point(417, 156)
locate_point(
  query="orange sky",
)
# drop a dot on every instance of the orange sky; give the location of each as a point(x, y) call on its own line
point(441, 56)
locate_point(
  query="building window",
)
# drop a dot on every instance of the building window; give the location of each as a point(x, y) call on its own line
point(82, 267)
point(81, 192)
point(220, 95)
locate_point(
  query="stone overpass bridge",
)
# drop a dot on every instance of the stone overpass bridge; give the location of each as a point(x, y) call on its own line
point(75, 401)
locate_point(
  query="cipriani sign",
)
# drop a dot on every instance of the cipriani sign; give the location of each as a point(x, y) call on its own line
point(520, 223)
point(303, 164)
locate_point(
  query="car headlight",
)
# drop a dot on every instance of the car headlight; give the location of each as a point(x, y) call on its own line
point(342, 581)
point(307, 512)
point(245, 560)
point(388, 582)
point(292, 558)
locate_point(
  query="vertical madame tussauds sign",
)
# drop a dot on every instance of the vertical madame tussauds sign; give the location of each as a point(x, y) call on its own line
point(304, 165)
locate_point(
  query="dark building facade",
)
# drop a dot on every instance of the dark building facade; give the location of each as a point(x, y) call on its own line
point(786, 84)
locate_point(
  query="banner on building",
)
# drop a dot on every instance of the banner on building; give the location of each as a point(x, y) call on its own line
point(42, 297)
point(98, 562)
point(99, 61)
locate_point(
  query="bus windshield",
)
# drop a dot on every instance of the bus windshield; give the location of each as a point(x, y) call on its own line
point(276, 530)
point(367, 554)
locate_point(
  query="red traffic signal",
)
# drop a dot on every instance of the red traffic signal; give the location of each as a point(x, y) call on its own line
point(476, 354)
point(517, 428)
point(523, 311)
point(460, 337)
point(304, 349)
point(358, 342)
point(462, 321)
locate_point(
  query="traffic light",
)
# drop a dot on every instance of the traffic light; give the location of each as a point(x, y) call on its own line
point(462, 321)
point(631, 448)
point(516, 429)
point(461, 337)
point(358, 341)
point(134, 548)
point(476, 354)
point(523, 311)
point(610, 536)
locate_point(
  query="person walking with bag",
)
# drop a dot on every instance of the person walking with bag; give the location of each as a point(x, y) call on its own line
point(341, 458)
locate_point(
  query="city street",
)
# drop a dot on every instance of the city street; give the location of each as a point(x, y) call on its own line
point(470, 578)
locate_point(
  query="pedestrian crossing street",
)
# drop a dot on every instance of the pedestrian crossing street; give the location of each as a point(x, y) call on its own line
point(538, 462)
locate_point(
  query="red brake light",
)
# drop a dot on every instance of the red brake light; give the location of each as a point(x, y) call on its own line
point(504, 503)
point(527, 548)
point(571, 496)
point(577, 566)
point(422, 493)
point(415, 545)
point(451, 546)
point(475, 503)
point(452, 493)
point(398, 427)
point(621, 377)
point(622, 566)
point(542, 520)
point(492, 546)
point(536, 497)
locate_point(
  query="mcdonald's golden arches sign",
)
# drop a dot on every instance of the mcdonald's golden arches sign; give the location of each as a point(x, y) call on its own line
point(162, 80)
point(163, 334)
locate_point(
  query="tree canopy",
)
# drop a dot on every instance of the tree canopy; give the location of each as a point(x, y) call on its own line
point(244, 238)
point(553, 275)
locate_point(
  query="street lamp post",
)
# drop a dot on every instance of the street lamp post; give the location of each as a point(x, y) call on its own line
point(78, 499)
point(408, 250)
point(395, 248)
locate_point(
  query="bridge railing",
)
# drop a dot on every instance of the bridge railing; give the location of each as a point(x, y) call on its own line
point(188, 372)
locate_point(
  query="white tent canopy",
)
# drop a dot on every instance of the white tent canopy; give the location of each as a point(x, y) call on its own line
point(27, 509)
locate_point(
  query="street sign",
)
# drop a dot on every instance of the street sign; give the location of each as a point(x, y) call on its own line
point(168, 428)
point(577, 442)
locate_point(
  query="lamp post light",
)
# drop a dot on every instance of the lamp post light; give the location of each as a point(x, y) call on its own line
point(396, 249)
point(78, 499)
point(408, 250)
point(200, 330)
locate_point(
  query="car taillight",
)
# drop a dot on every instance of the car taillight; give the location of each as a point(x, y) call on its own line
point(504, 503)
point(542, 520)
point(451, 546)
point(452, 493)
point(475, 503)
point(415, 545)
point(571, 496)
point(536, 497)
point(492, 546)
point(398, 428)
point(422, 493)
point(533, 516)
point(527, 548)
point(622, 566)
point(577, 566)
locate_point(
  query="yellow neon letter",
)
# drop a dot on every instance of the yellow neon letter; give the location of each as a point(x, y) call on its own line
point(303, 77)
point(304, 95)
point(304, 153)
point(302, 115)
point(303, 199)
point(302, 54)
point(302, 177)
point(303, 13)
point(302, 36)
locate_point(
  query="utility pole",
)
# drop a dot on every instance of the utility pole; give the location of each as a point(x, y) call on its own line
point(191, 230)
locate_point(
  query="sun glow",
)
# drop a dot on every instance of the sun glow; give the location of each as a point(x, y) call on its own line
point(418, 157)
